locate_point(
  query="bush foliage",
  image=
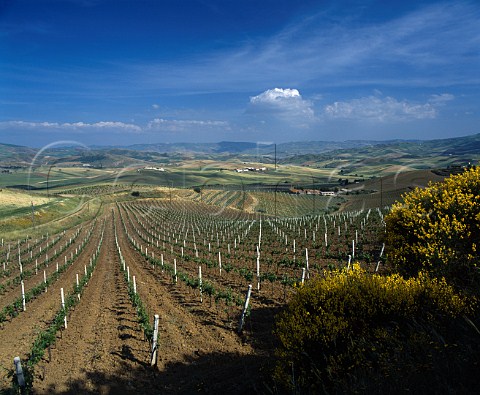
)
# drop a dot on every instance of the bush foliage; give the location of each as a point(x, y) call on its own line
point(354, 332)
point(437, 229)
point(357, 332)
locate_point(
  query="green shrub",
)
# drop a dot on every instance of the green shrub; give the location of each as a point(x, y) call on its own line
point(357, 332)
point(437, 229)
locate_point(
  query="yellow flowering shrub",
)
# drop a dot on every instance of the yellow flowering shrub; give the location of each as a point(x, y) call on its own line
point(353, 331)
point(437, 229)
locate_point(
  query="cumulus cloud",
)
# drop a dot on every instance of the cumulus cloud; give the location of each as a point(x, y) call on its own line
point(75, 126)
point(284, 103)
point(385, 109)
point(175, 125)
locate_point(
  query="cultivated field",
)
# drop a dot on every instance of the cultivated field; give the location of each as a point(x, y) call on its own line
point(186, 261)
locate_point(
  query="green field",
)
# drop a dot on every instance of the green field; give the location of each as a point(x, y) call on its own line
point(24, 213)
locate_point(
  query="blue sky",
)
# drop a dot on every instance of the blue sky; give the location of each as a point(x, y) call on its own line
point(118, 72)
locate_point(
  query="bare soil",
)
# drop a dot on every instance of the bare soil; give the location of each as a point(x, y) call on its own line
point(103, 350)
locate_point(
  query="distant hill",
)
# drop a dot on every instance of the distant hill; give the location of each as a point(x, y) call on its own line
point(247, 148)
point(348, 155)
point(15, 155)
point(422, 154)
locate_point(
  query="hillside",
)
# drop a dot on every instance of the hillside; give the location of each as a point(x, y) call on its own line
point(368, 158)
point(405, 154)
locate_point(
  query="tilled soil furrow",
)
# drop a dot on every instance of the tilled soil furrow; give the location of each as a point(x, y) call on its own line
point(103, 350)
point(14, 292)
point(50, 250)
point(18, 334)
point(190, 339)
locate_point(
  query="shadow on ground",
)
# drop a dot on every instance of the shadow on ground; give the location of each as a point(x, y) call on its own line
point(213, 373)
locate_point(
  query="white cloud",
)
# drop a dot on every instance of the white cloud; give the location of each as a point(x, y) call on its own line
point(155, 125)
point(155, 106)
point(284, 103)
point(276, 95)
point(440, 100)
point(386, 109)
point(175, 125)
point(111, 126)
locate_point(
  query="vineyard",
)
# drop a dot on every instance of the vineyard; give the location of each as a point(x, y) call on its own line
point(78, 306)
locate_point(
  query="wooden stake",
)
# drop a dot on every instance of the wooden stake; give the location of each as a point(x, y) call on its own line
point(154, 355)
point(78, 286)
point(63, 307)
point(23, 295)
point(200, 283)
point(245, 307)
point(19, 372)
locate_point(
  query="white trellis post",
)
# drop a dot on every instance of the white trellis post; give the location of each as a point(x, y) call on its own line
point(200, 283)
point(19, 372)
point(220, 262)
point(128, 274)
point(134, 285)
point(303, 275)
point(45, 279)
point(349, 261)
point(78, 286)
point(245, 307)
point(258, 272)
point(154, 356)
point(306, 260)
point(23, 295)
point(175, 269)
point(63, 307)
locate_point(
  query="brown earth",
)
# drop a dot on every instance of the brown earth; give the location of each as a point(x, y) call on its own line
point(103, 350)
point(18, 334)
